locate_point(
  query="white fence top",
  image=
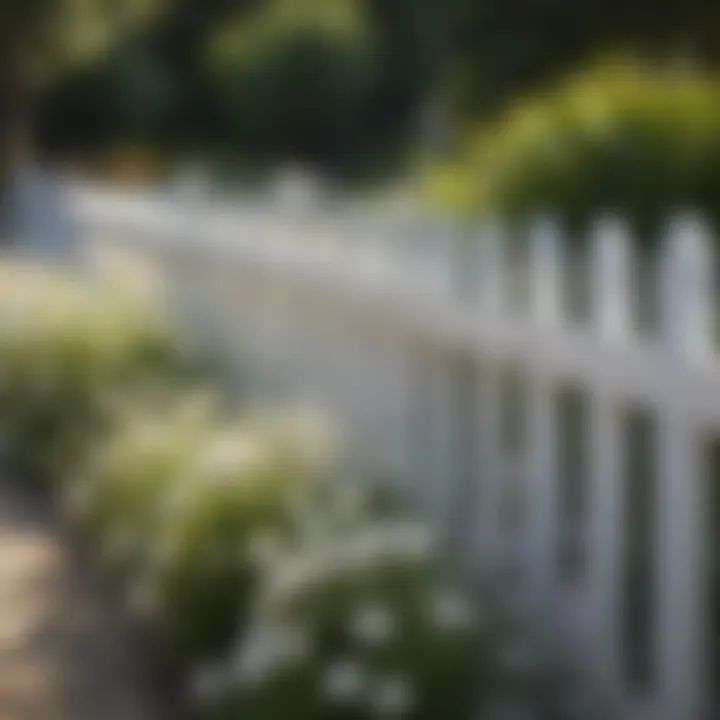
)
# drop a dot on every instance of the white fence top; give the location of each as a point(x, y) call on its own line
point(472, 287)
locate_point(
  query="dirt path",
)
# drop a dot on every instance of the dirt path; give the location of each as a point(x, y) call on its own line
point(63, 655)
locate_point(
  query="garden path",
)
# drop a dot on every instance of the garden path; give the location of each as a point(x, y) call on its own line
point(64, 653)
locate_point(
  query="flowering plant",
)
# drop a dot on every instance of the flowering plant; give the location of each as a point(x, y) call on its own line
point(64, 350)
point(185, 502)
point(359, 624)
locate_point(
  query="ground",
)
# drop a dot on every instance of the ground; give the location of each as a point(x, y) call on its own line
point(65, 653)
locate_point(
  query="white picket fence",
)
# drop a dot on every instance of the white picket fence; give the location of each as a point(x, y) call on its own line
point(507, 381)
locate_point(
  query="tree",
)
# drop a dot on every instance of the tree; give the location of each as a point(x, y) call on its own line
point(502, 48)
point(293, 80)
point(39, 40)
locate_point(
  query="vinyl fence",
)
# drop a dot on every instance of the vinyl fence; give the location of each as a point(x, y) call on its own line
point(551, 401)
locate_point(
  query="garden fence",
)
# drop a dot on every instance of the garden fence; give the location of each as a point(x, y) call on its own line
point(546, 398)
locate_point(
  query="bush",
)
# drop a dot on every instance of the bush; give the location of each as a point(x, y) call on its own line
point(220, 520)
point(363, 623)
point(237, 537)
point(118, 498)
point(621, 137)
point(65, 351)
point(180, 498)
point(291, 79)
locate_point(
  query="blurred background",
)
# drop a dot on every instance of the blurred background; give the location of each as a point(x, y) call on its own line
point(358, 90)
point(594, 333)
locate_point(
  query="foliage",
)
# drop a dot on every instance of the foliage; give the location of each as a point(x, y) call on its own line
point(39, 41)
point(219, 521)
point(179, 496)
point(238, 537)
point(498, 50)
point(362, 622)
point(151, 443)
point(255, 83)
point(139, 92)
point(65, 352)
point(39, 37)
point(620, 138)
point(292, 78)
point(474, 56)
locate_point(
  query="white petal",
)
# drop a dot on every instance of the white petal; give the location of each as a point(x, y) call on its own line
point(343, 681)
point(393, 696)
point(374, 623)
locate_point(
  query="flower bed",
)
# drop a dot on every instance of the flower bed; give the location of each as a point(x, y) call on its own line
point(281, 586)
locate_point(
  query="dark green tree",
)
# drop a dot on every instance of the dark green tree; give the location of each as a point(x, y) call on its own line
point(40, 40)
point(502, 48)
point(294, 79)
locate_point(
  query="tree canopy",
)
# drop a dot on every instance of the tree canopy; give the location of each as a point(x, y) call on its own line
point(39, 39)
point(326, 79)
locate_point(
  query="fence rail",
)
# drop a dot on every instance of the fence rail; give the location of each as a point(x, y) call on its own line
point(545, 397)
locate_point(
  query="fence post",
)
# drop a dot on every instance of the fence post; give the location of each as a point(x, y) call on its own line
point(546, 258)
point(490, 270)
point(605, 536)
point(443, 461)
point(541, 478)
point(488, 525)
point(611, 278)
point(687, 292)
point(442, 244)
point(680, 605)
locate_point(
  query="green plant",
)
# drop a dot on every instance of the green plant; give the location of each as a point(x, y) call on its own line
point(622, 137)
point(291, 79)
point(120, 496)
point(65, 352)
point(344, 629)
point(362, 622)
point(180, 498)
point(236, 501)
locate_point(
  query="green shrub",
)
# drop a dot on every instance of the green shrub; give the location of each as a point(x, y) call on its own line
point(363, 623)
point(291, 77)
point(118, 498)
point(179, 499)
point(236, 503)
point(238, 537)
point(65, 351)
point(621, 138)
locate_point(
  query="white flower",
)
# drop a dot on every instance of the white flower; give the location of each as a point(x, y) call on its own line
point(255, 660)
point(231, 451)
point(393, 696)
point(343, 681)
point(268, 650)
point(295, 576)
point(406, 541)
point(207, 683)
point(312, 435)
point(293, 644)
point(373, 623)
point(414, 541)
point(451, 611)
